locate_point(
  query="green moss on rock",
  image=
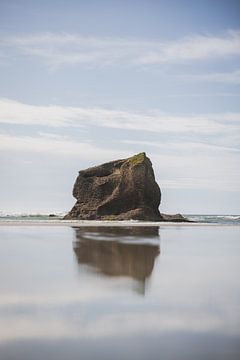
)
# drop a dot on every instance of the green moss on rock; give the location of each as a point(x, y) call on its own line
point(109, 218)
point(137, 159)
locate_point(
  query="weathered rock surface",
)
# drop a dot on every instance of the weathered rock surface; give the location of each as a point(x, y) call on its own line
point(118, 190)
point(174, 218)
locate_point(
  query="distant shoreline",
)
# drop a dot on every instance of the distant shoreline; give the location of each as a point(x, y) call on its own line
point(95, 223)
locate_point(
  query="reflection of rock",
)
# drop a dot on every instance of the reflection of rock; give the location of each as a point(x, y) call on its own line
point(118, 251)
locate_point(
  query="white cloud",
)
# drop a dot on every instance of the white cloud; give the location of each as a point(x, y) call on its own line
point(224, 77)
point(198, 170)
point(174, 169)
point(57, 49)
point(184, 146)
point(199, 95)
point(52, 144)
point(14, 112)
point(198, 151)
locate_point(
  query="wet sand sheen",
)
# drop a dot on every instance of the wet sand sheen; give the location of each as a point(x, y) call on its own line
point(119, 292)
point(101, 223)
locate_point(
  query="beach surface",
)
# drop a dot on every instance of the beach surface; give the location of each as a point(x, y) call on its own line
point(119, 292)
point(101, 223)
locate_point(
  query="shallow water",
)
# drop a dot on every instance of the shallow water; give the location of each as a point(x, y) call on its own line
point(119, 293)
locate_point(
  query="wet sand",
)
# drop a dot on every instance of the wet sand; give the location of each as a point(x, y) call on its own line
point(94, 223)
point(115, 292)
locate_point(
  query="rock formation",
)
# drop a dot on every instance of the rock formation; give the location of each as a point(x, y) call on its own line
point(118, 190)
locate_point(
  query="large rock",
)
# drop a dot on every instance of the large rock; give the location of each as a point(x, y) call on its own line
point(118, 190)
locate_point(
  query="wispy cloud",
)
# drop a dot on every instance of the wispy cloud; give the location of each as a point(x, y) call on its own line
point(224, 77)
point(53, 144)
point(57, 49)
point(200, 95)
point(177, 147)
point(14, 112)
point(189, 151)
point(184, 166)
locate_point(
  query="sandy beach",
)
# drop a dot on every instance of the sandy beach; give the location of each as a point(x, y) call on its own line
point(94, 223)
point(118, 288)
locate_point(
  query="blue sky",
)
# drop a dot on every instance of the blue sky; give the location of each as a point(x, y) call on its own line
point(85, 82)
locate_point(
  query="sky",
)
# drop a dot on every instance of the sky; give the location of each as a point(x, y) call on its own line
point(87, 82)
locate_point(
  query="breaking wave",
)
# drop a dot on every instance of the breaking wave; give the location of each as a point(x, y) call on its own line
point(218, 219)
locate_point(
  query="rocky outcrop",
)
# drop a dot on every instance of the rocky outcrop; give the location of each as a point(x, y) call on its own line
point(118, 190)
point(174, 218)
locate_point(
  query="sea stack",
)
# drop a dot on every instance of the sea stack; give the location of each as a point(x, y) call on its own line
point(118, 190)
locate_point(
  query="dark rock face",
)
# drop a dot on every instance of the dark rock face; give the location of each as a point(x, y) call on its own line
point(118, 190)
point(174, 218)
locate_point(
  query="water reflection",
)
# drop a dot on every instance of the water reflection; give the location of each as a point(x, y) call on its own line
point(119, 251)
